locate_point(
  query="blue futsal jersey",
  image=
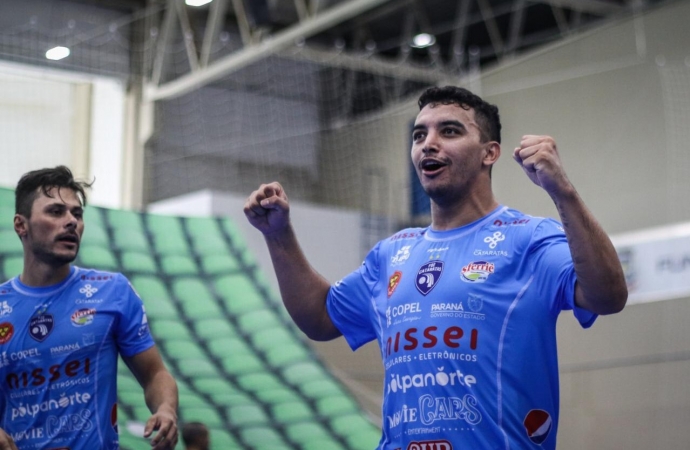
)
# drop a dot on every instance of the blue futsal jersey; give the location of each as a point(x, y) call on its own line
point(58, 358)
point(466, 324)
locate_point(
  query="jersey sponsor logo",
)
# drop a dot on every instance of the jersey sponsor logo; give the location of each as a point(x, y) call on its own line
point(435, 252)
point(430, 337)
point(89, 301)
point(433, 409)
point(6, 332)
point(40, 376)
point(393, 282)
point(40, 326)
point(83, 317)
point(430, 445)
point(421, 380)
point(537, 425)
point(88, 290)
point(401, 256)
point(69, 348)
point(507, 223)
point(428, 276)
point(97, 277)
point(475, 304)
point(5, 308)
point(479, 252)
point(406, 235)
point(78, 398)
point(402, 310)
point(477, 271)
point(31, 433)
point(69, 423)
point(495, 239)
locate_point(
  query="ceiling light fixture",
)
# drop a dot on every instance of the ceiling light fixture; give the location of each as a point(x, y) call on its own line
point(197, 2)
point(423, 40)
point(57, 53)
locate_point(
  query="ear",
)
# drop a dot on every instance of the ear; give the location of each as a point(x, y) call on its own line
point(21, 225)
point(492, 151)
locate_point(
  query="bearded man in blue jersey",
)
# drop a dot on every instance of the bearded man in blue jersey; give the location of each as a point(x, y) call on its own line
point(62, 328)
point(464, 310)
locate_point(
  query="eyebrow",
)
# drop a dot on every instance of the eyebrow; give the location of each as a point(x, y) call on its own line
point(445, 123)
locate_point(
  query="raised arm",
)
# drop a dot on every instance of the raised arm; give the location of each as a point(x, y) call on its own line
point(303, 290)
point(600, 286)
point(160, 393)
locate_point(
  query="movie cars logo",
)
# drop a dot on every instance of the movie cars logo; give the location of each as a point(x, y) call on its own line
point(537, 425)
point(40, 326)
point(393, 282)
point(83, 317)
point(477, 271)
point(430, 445)
point(6, 332)
point(428, 276)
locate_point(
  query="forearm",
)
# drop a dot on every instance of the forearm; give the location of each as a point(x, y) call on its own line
point(600, 279)
point(161, 392)
point(302, 289)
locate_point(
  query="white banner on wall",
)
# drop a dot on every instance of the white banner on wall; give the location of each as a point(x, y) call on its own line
point(656, 263)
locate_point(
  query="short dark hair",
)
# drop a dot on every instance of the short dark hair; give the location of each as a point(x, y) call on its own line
point(45, 179)
point(486, 114)
point(193, 432)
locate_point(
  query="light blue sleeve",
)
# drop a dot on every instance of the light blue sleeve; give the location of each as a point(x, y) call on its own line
point(132, 333)
point(554, 270)
point(350, 302)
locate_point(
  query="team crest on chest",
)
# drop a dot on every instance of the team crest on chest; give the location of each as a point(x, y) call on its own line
point(428, 276)
point(40, 326)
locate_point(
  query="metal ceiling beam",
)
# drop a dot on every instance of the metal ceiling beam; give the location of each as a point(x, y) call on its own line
point(252, 53)
point(599, 7)
point(213, 26)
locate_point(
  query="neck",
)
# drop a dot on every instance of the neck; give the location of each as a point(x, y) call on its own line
point(462, 211)
point(40, 274)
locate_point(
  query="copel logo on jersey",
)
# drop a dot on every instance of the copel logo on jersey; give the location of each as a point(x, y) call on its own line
point(537, 425)
point(477, 271)
point(428, 276)
point(40, 326)
point(6, 332)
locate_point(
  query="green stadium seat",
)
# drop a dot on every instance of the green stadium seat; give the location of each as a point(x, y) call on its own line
point(131, 398)
point(242, 363)
point(193, 368)
point(246, 415)
point(365, 440)
point(95, 234)
point(167, 235)
point(164, 329)
point(331, 406)
point(98, 258)
point(124, 220)
point(93, 217)
point(224, 346)
point(306, 432)
point(233, 232)
point(304, 372)
point(7, 217)
point(195, 299)
point(351, 424)
point(289, 412)
point(12, 266)
point(262, 319)
point(10, 243)
point(326, 444)
point(321, 388)
point(206, 415)
point(183, 349)
point(222, 440)
point(130, 442)
point(266, 339)
point(190, 400)
point(211, 329)
point(238, 294)
point(138, 262)
point(178, 265)
point(285, 354)
point(206, 236)
point(255, 382)
point(130, 239)
point(222, 392)
point(155, 296)
point(262, 438)
point(278, 395)
point(127, 382)
point(219, 264)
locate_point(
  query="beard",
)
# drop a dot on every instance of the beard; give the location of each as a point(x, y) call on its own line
point(45, 254)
